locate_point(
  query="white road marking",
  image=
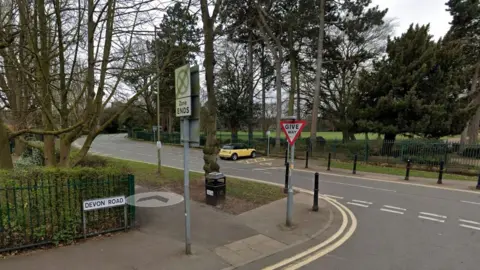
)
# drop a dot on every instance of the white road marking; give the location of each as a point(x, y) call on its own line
point(432, 214)
point(357, 204)
point(332, 196)
point(477, 203)
point(469, 221)
point(267, 172)
point(470, 227)
point(358, 201)
point(432, 219)
point(394, 207)
point(391, 211)
point(360, 186)
point(267, 169)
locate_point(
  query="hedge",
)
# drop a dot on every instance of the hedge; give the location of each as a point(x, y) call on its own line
point(44, 206)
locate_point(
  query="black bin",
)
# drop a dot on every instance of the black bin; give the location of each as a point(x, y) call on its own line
point(215, 188)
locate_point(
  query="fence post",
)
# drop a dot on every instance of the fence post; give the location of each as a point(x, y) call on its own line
point(440, 172)
point(306, 160)
point(407, 173)
point(287, 171)
point(478, 181)
point(329, 161)
point(315, 193)
point(355, 164)
point(131, 194)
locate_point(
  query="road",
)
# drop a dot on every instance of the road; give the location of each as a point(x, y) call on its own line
point(399, 226)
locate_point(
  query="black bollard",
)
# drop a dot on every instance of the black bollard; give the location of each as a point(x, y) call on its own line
point(306, 160)
point(329, 161)
point(315, 193)
point(440, 172)
point(286, 156)
point(478, 181)
point(407, 173)
point(287, 170)
point(354, 165)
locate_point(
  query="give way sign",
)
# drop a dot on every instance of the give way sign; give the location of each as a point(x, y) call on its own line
point(292, 129)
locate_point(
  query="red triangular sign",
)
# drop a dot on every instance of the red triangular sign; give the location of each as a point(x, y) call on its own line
point(292, 129)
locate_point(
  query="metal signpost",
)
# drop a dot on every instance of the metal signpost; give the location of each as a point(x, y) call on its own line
point(292, 129)
point(187, 106)
point(95, 204)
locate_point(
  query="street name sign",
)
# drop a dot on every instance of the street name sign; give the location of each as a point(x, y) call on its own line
point(103, 203)
point(292, 129)
point(183, 91)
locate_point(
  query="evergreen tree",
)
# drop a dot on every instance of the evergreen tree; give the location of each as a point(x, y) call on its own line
point(415, 90)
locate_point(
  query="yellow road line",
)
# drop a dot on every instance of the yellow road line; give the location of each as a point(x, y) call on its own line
point(319, 246)
point(330, 248)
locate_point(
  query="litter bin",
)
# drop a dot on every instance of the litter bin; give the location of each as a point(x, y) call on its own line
point(215, 188)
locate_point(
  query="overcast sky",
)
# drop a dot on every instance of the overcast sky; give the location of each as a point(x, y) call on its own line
point(418, 11)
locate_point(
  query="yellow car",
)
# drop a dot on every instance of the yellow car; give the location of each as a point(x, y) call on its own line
point(235, 151)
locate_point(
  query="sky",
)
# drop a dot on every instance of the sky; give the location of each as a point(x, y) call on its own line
point(406, 12)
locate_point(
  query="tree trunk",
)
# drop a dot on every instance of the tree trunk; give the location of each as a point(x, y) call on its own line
point(316, 97)
point(278, 86)
point(291, 96)
point(65, 147)
point(234, 133)
point(19, 146)
point(5, 156)
point(250, 88)
point(297, 74)
point(475, 121)
point(211, 147)
point(388, 142)
point(262, 70)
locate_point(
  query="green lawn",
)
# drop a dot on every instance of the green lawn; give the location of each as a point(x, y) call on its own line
point(361, 167)
point(328, 135)
point(252, 192)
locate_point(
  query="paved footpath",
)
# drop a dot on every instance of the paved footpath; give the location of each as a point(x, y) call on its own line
point(400, 225)
point(219, 240)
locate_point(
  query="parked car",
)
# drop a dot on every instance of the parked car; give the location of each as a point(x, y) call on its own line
point(235, 151)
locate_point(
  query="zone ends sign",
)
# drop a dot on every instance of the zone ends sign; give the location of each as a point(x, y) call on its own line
point(292, 129)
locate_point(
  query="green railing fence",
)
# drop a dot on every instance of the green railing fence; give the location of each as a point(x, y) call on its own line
point(48, 210)
point(424, 154)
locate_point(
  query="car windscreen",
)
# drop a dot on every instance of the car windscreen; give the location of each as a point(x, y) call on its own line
point(227, 147)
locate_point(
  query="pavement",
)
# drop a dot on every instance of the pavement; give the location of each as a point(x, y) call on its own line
point(219, 240)
point(399, 224)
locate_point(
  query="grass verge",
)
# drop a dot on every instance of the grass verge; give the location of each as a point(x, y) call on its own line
point(362, 167)
point(241, 196)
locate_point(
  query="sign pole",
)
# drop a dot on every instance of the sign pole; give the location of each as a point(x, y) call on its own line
point(290, 188)
point(186, 184)
point(292, 129)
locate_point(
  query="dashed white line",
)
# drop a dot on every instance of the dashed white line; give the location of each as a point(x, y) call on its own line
point(391, 211)
point(432, 219)
point(394, 207)
point(477, 203)
point(432, 214)
point(332, 196)
point(357, 204)
point(364, 202)
point(470, 227)
point(360, 186)
point(469, 221)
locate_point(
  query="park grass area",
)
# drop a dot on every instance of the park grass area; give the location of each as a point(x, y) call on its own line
point(327, 135)
point(242, 195)
point(362, 167)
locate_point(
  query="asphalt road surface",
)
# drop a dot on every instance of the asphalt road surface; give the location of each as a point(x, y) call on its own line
point(399, 226)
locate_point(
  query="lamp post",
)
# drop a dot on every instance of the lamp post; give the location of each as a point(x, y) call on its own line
point(159, 144)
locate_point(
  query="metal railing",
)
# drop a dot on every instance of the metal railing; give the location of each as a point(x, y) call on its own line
point(48, 210)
